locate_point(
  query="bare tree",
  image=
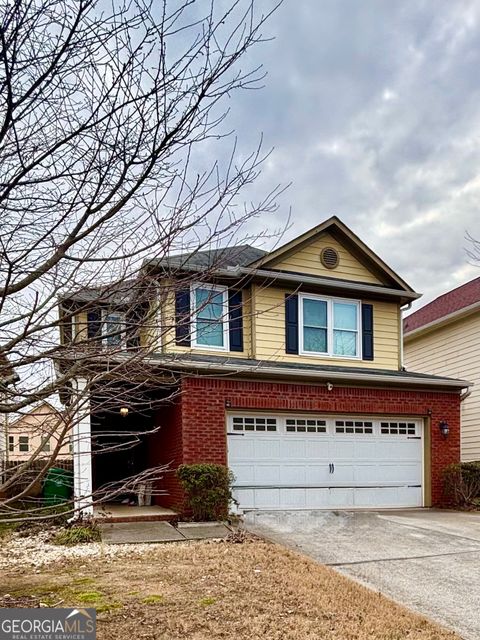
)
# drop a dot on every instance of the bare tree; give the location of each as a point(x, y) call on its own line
point(105, 112)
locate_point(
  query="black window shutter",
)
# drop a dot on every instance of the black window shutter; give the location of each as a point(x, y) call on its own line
point(235, 320)
point(133, 321)
point(291, 323)
point(367, 331)
point(182, 317)
point(94, 323)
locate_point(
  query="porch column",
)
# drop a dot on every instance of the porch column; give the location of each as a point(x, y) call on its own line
point(82, 453)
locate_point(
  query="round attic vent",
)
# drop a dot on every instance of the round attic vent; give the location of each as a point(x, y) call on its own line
point(329, 257)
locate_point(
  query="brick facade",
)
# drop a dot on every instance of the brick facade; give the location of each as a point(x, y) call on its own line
point(199, 417)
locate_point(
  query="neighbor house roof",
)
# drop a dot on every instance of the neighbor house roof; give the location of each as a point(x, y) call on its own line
point(445, 307)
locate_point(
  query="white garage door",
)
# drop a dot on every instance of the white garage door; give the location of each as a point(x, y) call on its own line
point(315, 462)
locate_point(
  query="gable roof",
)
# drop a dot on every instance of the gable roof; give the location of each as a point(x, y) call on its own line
point(335, 227)
point(445, 307)
point(43, 408)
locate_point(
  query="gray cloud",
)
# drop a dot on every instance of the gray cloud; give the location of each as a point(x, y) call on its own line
point(373, 109)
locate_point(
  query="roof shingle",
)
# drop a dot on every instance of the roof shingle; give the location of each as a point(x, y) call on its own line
point(450, 302)
point(237, 256)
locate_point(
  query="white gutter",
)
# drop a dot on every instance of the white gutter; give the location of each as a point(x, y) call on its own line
point(443, 320)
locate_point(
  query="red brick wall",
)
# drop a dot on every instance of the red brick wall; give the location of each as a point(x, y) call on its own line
point(168, 449)
point(203, 413)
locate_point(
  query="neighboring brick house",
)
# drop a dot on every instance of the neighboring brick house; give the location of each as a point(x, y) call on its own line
point(37, 432)
point(443, 338)
point(288, 369)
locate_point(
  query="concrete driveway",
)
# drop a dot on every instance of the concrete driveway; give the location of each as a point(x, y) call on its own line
point(428, 560)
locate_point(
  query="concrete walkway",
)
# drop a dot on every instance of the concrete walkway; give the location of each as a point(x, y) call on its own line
point(140, 532)
point(425, 559)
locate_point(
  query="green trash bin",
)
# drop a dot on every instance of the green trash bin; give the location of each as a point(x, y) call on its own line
point(58, 486)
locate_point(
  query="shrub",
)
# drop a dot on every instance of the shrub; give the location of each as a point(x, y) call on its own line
point(78, 533)
point(461, 482)
point(208, 490)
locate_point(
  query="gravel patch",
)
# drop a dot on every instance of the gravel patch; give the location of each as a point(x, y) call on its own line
point(19, 552)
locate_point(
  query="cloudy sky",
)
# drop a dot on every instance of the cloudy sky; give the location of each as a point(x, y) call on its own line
point(373, 110)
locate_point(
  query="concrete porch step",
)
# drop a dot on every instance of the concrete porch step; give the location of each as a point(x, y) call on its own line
point(127, 513)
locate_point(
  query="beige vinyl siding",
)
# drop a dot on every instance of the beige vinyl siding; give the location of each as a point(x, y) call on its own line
point(269, 323)
point(454, 351)
point(307, 260)
point(80, 327)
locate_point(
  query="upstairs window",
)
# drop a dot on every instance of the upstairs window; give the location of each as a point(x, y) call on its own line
point(329, 327)
point(210, 317)
point(113, 328)
point(11, 444)
point(23, 444)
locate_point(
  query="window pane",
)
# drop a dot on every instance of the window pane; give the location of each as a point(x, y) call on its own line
point(210, 334)
point(113, 324)
point(344, 343)
point(315, 340)
point(209, 304)
point(345, 316)
point(314, 313)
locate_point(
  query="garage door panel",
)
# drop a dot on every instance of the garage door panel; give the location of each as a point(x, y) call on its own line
point(316, 498)
point(317, 473)
point(293, 474)
point(343, 449)
point(265, 474)
point(404, 473)
point(267, 499)
point(241, 449)
point(376, 466)
point(243, 473)
point(395, 450)
point(267, 448)
point(294, 448)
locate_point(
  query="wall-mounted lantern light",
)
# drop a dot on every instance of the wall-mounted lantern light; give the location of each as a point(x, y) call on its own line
point(124, 412)
point(444, 428)
point(228, 404)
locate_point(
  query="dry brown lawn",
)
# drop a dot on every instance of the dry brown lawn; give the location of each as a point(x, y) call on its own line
point(199, 591)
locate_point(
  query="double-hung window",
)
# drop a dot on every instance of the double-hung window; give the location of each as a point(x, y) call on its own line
point(113, 328)
point(210, 316)
point(23, 445)
point(329, 326)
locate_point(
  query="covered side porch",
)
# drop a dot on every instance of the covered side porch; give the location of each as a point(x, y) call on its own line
point(124, 452)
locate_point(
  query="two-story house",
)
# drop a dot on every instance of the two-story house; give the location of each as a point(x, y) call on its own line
point(36, 432)
point(443, 338)
point(288, 369)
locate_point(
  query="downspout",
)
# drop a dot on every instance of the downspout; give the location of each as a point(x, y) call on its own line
point(402, 309)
